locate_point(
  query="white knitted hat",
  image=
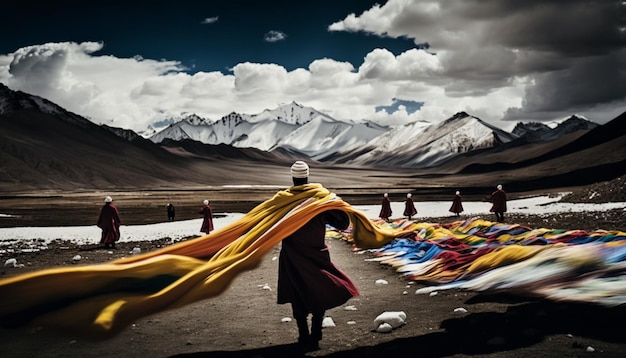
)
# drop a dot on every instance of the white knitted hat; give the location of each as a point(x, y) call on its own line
point(108, 199)
point(300, 169)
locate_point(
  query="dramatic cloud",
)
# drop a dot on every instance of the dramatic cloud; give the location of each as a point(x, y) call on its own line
point(99, 87)
point(565, 49)
point(511, 61)
point(135, 93)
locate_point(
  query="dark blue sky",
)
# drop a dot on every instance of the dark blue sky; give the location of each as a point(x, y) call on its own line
point(175, 30)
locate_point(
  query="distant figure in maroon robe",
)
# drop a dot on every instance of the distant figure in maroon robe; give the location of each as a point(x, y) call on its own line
point(109, 222)
point(457, 205)
point(498, 198)
point(207, 214)
point(409, 207)
point(307, 278)
point(385, 210)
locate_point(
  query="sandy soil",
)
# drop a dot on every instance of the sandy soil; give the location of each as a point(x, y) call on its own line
point(245, 321)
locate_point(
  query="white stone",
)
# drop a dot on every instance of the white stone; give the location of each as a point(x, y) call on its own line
point(384, 328)
point(328, 322)
point(393, 318)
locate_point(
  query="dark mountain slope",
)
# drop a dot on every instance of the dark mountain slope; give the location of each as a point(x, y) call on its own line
point(42, 150)
point(517, 151)
point(601, 162)
point(606, 142)
point(193, 148)
point(43, 146)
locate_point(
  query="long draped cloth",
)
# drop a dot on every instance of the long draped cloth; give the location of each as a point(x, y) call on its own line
point(101, 300)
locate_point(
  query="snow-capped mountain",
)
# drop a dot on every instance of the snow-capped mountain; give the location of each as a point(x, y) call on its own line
point(232, 129)
point(189, 127)
point(323, 136)
point(291, 127)
point(424, 144)
point(44, 146)
point(292, 113)
point(295, 128)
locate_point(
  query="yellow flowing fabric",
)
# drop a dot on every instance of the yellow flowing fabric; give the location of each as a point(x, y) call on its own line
point(101, 300)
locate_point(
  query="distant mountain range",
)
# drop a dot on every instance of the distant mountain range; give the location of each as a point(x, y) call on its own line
point(298, 129)
point(290, 127)
point(45, 146)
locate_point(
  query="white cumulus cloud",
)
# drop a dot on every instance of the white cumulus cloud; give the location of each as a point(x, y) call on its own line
point(134, 92)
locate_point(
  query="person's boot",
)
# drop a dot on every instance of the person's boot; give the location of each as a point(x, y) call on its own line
point(303, 330)
point(316, 329)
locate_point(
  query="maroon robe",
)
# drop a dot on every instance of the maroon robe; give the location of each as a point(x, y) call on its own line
point(109, 222)
point(409, 208)
point(498, 198)
point(385, 210)
point(207, 222)
point(306, 275)
point(457, 206)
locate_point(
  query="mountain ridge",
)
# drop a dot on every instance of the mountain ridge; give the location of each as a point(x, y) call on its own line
point(43, 146)
point(417, 144)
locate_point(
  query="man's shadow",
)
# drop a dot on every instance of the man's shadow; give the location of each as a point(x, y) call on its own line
point(523, 324)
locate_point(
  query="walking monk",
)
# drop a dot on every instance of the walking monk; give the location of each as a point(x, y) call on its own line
point(409, 207)
point(109, 222)
point(457, 205)
point(385, 210)
point(307, 278)
point(207, 217)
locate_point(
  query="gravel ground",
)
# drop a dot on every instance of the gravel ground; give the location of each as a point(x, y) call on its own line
point(246, 321)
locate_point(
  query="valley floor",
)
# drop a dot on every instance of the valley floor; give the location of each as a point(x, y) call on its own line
point(245, 321)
